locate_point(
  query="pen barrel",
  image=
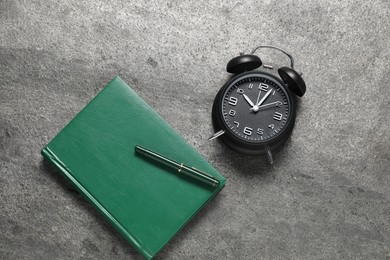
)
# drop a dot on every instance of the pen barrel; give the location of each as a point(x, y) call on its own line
point(199, 175)
point(180, 167)
point(157, 157)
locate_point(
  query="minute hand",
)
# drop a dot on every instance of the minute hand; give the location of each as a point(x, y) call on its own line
point(265, 97)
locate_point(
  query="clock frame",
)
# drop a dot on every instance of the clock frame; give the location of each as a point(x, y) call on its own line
point(242, 135)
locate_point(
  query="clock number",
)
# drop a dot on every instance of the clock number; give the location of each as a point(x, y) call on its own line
point(250, 85)
point(233, 101)
point(277, 116)
point(271, 126)
point(279, 104)
point(240, 91)
point(236, 123)
point(247, 130)
point(263, 87)
point(232, 112)
point(260, 131)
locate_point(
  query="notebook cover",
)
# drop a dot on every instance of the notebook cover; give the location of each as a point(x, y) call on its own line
point(148, 204)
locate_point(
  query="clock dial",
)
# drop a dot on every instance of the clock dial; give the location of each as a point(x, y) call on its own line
point(256, 108)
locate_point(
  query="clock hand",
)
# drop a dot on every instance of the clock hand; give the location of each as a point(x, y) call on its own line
point(255, 108)
point(265, 97)
point(270, 104)
point(248, 100)
point(258, 97)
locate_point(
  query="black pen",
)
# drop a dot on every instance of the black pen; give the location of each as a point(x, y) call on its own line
point(180, 167)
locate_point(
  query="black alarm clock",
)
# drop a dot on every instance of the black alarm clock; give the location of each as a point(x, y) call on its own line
point(254, 112)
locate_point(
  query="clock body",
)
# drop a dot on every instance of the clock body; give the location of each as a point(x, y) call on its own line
point(256, 110)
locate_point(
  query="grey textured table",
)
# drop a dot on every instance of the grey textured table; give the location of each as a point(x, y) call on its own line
point(327, 195)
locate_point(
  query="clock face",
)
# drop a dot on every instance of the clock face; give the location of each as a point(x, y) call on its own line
point(256, 108)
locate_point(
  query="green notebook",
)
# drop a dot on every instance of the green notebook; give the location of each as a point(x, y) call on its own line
point(146, 202)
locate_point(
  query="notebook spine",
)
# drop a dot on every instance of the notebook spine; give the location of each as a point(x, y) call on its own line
point(66, 172)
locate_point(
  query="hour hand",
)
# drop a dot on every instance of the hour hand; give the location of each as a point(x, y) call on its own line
point(248, 100)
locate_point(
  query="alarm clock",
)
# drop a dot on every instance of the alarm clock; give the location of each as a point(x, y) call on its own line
point(254, 112)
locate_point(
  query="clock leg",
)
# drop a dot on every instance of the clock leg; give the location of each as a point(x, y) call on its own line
point(217, 134)
point(269, 154)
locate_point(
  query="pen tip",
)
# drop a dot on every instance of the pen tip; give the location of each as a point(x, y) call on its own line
point(137, 148)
